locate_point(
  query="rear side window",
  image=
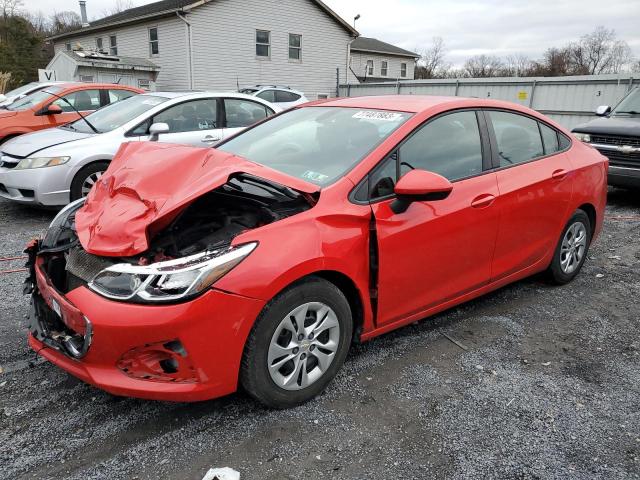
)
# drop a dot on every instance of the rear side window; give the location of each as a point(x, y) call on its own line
point(550, 139)
point(268, 95)
point(189, 116)
point(517, 136)
point(450, 145)
point(117, 95)
point(282, 96)
point(81, 100)
point(242, 113)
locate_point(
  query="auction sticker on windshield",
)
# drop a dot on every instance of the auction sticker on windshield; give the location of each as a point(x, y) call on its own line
point(375, 115)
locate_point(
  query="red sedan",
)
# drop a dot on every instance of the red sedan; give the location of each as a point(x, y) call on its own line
point(191, 271)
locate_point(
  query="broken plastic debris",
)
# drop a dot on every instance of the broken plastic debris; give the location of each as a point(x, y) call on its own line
point(224, 473)
point(599, 275)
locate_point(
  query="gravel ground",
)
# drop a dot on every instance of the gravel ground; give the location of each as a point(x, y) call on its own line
point(548, 387)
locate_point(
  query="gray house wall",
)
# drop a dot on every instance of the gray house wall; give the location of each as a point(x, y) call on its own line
point(223, 45)
point(359, 63)
point(133, 41)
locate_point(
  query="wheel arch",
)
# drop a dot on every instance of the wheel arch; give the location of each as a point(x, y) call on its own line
point(590, 210)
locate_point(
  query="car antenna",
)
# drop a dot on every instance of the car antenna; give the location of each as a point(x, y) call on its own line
point(95, 130)
point(237, 83)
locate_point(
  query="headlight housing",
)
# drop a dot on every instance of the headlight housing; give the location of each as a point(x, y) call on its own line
point(583, 137)
point(170, 280)
point(40, 162)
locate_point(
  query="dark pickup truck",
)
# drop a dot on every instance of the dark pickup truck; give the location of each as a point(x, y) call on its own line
point(617, 136)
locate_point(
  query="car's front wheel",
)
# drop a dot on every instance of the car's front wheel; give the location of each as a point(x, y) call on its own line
point(86, 178)
point(297, 344)
point(571, 250)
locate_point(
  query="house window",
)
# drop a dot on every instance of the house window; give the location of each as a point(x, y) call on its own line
point(68, 46)
point(154, 48)
point(113, 45)
point(99, 44)
point(295, 46)
point(263, 43)
point(383, 68)
point(403, 69)
point(144, 84)
point(369, 67)
point(86, 78)
point(323, 96)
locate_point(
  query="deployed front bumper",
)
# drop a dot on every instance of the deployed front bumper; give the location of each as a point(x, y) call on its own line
point(200, 341)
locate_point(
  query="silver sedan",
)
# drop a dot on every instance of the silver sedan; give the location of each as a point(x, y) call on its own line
point(59, 165)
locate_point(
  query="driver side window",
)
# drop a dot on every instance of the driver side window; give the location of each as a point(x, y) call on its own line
point(185, 117)
point(83, 100)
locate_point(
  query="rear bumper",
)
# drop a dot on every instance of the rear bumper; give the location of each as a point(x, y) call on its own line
point(624, 176)
point(212, 329)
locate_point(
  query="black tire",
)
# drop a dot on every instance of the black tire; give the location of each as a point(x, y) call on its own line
point(555, 273)
point(254, 373)
point(82, 175)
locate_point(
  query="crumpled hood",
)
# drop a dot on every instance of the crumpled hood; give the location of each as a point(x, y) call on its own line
point(29, 143)
point(148, 183)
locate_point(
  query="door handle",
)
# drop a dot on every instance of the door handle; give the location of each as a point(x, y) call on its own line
point(559, 174)
point(210, 139)
point(482, 201)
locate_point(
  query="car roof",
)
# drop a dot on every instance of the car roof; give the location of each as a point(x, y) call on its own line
point(414, 103)
point(85, 85)
point(200, 94)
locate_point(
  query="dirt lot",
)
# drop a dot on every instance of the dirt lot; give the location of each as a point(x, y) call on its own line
point(549, 387)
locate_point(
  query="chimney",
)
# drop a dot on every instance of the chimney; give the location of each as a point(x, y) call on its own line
point(83, 13)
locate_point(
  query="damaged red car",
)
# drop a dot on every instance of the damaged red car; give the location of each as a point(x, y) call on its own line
point(188, 272)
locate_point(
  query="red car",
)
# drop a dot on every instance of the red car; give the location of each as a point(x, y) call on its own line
point(58, 104)
point(191, 271)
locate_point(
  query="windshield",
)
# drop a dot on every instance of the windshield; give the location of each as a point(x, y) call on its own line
point(630, 104)
point(20, 90)
point(116, 114)
point(33, 99)
point(316, 144)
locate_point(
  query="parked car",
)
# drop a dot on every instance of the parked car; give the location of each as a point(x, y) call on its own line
point(284, 97)
point(617, 136)
point(57, 105)
point(16, 94)
point(78, 153)
point(187, 272)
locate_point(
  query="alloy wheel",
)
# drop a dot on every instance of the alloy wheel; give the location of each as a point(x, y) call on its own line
point(574, 245)
point(303, 346)
point(89, 182)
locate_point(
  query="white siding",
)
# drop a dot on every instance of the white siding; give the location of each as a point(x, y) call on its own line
point(225, 53)
point(133, 41)
point(359, 63)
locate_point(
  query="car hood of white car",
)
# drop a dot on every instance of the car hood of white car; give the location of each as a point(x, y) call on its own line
point(30, 143)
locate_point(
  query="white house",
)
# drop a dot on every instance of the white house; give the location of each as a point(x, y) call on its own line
point(222, 44)
point(375, 61)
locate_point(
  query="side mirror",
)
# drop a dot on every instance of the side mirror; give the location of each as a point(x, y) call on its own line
point(603, 110)
point(156, 130)
point(419, 185)
point(52, 110)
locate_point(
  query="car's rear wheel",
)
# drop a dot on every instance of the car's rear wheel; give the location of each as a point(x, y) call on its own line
point(297, 345)
point(86, 178)
point(571, 250)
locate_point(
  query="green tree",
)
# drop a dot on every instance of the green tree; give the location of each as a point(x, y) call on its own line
point(21, 50)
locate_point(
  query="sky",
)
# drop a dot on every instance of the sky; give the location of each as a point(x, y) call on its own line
point(495, 27)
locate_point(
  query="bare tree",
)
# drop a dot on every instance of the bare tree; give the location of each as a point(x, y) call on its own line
point(517, 65)
point(62, 22)
point(599, 52)
point(10, 7)
point(120, 6)
point(483, 66)
point(432, 62)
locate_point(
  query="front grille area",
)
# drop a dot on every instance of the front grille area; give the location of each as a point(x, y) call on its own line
point(7, 164)
point(8, 161)
point(619, 159)
point(616, 140)
point(85, 266)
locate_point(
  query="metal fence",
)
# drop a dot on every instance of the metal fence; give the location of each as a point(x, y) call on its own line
point(567, 100)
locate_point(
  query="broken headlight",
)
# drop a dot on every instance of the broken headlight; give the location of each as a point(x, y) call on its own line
point(169, 280)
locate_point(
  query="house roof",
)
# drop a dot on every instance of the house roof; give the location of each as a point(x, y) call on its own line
point(373, 45)
point(92, 59)
point(170, 7)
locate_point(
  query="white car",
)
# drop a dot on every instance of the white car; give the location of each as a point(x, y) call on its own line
point(21, 92)
point(284, 97)
point(59, 165)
